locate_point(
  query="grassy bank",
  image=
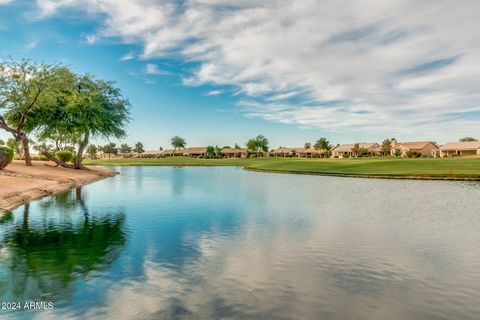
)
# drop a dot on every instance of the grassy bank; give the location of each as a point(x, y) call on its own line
point(446, 168)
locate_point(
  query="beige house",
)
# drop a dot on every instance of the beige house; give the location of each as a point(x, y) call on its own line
point(467, 148)
point(424, 148)
point(235, 153)
point(195, 151)
point(345, 150)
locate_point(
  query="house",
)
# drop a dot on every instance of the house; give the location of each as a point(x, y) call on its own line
point(150, 154)
point(423, 148)
point(172, 153)
point(467, 148)
point(235, 153)
point(345, 150)
point(195, 151)
point(299, 152)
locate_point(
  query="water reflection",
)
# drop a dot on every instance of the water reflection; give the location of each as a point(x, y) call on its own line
point(42, 257)
point(214, 243)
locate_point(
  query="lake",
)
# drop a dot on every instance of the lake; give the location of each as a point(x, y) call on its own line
point(222, 242)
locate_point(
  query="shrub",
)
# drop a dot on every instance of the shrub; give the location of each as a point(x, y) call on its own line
point(6, 156)
point(39, 158)
point(252, 156)
point(74, 158)
point(64, 155)
point(413, 154)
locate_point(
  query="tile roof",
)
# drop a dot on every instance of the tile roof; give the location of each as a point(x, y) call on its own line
point(467, 145)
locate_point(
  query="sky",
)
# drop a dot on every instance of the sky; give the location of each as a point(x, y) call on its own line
point(218, 72)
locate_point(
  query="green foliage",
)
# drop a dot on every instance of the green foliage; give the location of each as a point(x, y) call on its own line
point(178, 142)
point(307, 145)
point(110, 149)
point(468, 139)
point(39, 158)
point(413, 154)
point(322, 144)
point(362, 152)
point(64, 155)
point(16, 146)
point(138, 148)
point(2, 143)
point(237, 146)
point(356, 148)
point(210, 151)
point(386, 147)
point(257, 144)
point(218, 151)
point(80, 108)
point(125, 148)
point(92, 151)
point(6, 156)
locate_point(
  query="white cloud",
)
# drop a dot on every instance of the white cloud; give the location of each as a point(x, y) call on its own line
point(376, 65)
point(152, 69)
point(128, 56)
point(213, 93)
point(5, 1)
point(32, 44)
point(91, 39)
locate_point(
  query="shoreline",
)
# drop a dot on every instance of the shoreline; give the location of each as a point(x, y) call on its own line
point(20, 184)
point(366, 176)
point(439, 169)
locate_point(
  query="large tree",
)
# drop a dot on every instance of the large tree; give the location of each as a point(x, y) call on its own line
point(125, 148)
point(178, 142)
point(386, 147)
point(24, 86)
point(83, 108)
point(257, 144)
point(92, 151)
point(110, 149)
point(322, 144)
point(139, 148)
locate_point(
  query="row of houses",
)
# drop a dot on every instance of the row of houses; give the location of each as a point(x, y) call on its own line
point(187, 152)
point(403, 149)
point(420, 148)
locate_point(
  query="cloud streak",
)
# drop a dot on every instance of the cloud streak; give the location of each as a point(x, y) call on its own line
point(337, 65)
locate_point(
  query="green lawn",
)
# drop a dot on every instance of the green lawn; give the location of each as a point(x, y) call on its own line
point(388, 167)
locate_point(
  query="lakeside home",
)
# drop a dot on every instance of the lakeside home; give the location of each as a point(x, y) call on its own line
point(195, 151)
point(346, 150)
point(423, 148)
point(466, 148)
point(235, 152)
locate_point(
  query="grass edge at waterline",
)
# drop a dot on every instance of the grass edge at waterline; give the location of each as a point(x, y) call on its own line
point(392, 168)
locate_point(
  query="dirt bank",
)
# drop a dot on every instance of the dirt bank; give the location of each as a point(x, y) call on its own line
point(20, 184)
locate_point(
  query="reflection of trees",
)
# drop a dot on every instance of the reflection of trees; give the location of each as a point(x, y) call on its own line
point(45, 257)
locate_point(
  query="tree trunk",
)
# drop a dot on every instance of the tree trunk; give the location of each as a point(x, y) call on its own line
point(58, 162)
point(26, 149)
point(81, 149)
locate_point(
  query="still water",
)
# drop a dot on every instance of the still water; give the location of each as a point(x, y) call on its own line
point(221, 242)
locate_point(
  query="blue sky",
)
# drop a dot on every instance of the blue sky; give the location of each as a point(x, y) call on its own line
point(220, 72)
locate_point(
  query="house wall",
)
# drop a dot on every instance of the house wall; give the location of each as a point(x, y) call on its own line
point(427, 151)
